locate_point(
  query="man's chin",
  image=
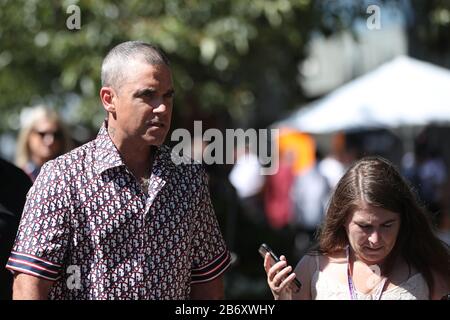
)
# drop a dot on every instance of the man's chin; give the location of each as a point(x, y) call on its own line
point(155, 136)
point(154, 141)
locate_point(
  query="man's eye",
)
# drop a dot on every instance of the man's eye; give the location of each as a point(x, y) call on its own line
point(363, 226)
point(169, 95)
point(147, 94)
point(388, 225)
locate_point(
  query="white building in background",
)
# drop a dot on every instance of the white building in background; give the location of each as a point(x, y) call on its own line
point(335, 60)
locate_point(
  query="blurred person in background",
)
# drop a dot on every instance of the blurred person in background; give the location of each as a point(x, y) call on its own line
point(277, 193)
point(426, 169)
point(310, 194)
point(377, 242)
point(427, 172)
point(246, 178)
point(331, 166)
point(14, 186)
point(43, 137)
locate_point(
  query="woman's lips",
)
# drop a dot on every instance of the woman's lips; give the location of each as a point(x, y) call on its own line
point(374, 249)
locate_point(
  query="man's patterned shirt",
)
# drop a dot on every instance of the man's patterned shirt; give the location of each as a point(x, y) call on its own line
point(88, 226)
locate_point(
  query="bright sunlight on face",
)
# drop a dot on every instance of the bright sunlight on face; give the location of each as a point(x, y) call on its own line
point(372, 232)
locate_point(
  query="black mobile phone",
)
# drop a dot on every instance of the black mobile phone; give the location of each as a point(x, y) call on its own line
point(264, 248)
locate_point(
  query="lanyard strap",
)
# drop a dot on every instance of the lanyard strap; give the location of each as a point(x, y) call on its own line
point(351, 286)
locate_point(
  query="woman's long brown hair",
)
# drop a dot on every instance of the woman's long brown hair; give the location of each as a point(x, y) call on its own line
point(376, 180)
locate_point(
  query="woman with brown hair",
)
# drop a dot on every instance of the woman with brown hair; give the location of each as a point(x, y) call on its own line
point(377, 242)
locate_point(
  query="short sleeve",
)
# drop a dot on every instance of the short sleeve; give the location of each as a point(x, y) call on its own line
point(42, 238)
point(211, 257)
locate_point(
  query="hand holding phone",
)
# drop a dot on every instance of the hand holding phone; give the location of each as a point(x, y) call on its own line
point(263, 249)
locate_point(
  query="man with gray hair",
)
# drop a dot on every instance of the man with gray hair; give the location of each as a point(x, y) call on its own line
point(116, 218)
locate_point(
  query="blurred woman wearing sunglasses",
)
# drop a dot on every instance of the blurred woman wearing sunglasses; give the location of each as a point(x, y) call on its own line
point(43, 137)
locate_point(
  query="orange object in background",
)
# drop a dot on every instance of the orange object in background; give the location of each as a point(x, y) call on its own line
point(298, 145)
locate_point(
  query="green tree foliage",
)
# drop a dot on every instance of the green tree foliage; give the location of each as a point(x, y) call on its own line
point(234, 61)
point(430, 31)
point(228, 56)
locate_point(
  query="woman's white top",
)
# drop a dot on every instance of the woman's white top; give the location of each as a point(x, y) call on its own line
point(326, 287)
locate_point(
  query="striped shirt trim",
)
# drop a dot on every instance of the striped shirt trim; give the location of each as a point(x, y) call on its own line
point(212, 270)
point(30, 272)
point(214, 261)
point(34, 266)
point(35, 258)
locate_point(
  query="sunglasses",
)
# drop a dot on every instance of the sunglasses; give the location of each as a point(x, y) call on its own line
point(55, 134)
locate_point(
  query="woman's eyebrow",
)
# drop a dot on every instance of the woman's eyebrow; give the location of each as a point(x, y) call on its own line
point(365, 223)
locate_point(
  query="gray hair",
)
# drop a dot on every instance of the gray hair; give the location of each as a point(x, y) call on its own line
point(115, 62)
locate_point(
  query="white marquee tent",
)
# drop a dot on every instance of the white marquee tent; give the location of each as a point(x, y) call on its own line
point(402, 92)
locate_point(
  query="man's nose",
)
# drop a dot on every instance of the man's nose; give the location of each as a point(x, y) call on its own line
point(160, 107)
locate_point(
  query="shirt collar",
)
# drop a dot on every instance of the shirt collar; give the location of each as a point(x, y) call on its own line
point(107, 156)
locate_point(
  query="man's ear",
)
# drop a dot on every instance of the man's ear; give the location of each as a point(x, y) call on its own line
point(107, 95)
